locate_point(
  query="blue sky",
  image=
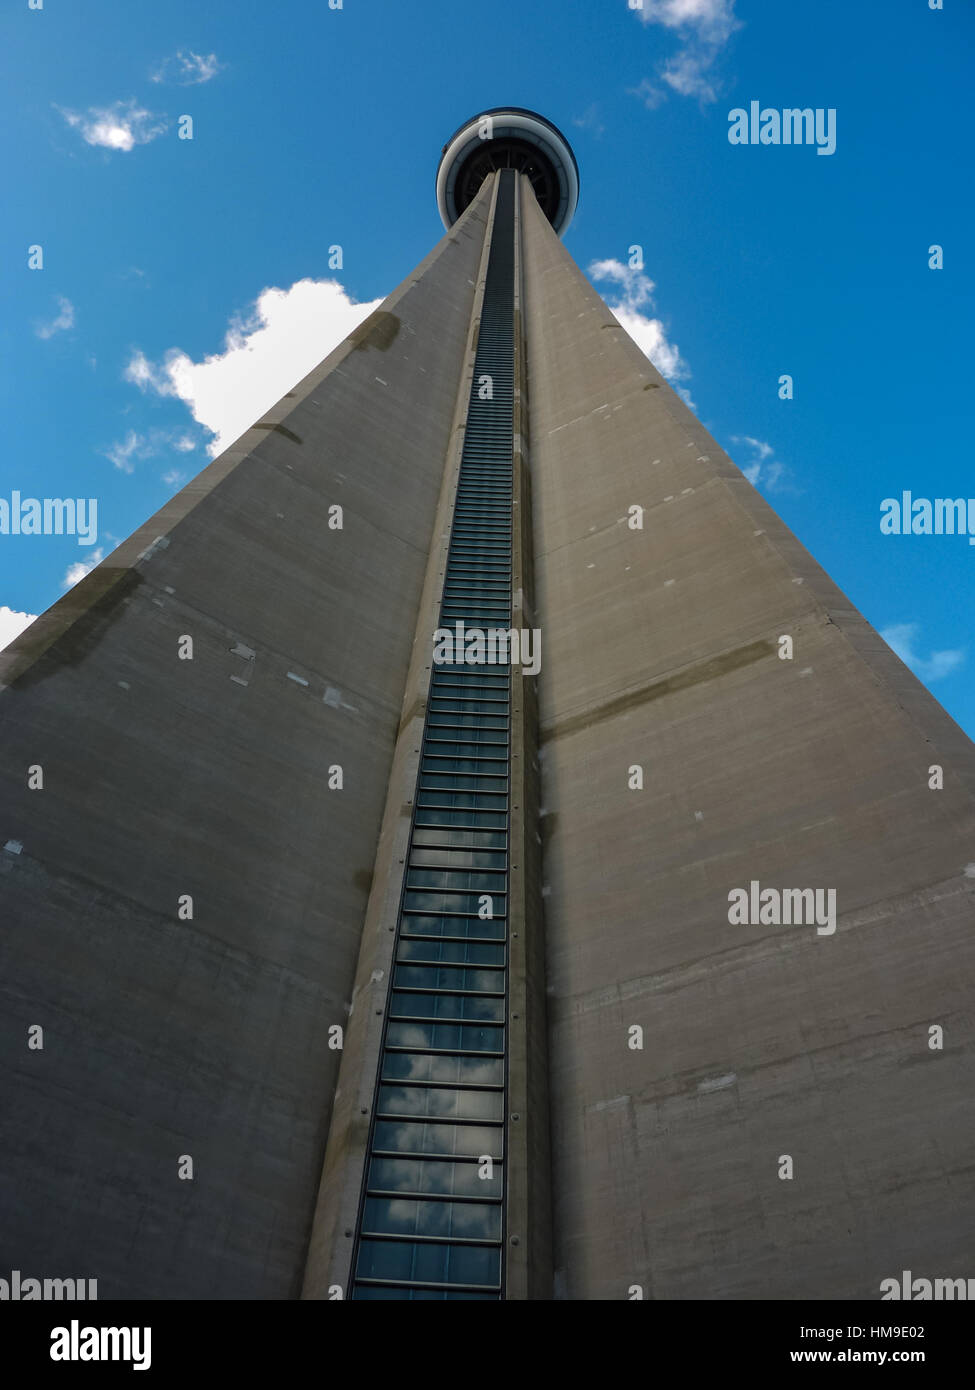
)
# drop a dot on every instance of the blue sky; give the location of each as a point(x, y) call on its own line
point(316, 127)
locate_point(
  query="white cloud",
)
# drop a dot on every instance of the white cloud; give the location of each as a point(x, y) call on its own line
point(143, 374)
point(634, 294)
point(64, 319)
point(762, 467)
point(286, 335)
point(119, 127)
point(711, 21)
point(902, 638)
point(703, 27)
point(12, 624)
point(650, 95)
point(173, 478)
point(81, 567)
point(761, 448)
point(187, 69)
point(636, 288)
point(650, 336)
point(135, 447)
point(689, 75)
point(123, 455)
point(589, 120)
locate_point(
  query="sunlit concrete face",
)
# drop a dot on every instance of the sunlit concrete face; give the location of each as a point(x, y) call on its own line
point(759, 1043)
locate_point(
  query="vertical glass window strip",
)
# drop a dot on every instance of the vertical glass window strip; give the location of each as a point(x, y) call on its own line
point(431, 1212)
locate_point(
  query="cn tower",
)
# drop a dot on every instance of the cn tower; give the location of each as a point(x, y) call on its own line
point(463, 847)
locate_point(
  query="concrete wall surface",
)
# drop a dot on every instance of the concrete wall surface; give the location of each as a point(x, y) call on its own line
point(759, 1042)
point(162, 777)
point(739, 1109)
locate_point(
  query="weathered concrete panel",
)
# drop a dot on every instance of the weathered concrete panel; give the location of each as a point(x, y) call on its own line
point(209, 777)
point(660, 649)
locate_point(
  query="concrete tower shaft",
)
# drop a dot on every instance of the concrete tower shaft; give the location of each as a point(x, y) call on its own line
point(245, 900)
point(509, 137)
point(758, 1041)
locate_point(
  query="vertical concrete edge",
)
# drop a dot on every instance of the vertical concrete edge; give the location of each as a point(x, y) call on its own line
point(528, 1215)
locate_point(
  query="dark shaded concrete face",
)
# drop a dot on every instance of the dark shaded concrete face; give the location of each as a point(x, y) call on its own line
point(70, 632)
point(757, 1043)
point(378, 331)
point(182, 916)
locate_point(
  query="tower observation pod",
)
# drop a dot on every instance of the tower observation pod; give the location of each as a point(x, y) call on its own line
point(509, 137)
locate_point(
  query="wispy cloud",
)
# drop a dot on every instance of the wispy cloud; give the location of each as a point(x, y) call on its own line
point(124, 454)
point(121, 126)
point(142, 373)
point(633, 296)
point(761, 448)
point(590, 120)
point(12, 624)
point(63, 320)
point(761, 465)
point(903, 639)
point(186, 68)
point(82, 567)
point(703, 27)
point(649, 93)
point(283, 337)
point(710, 21)
point(135, 447)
